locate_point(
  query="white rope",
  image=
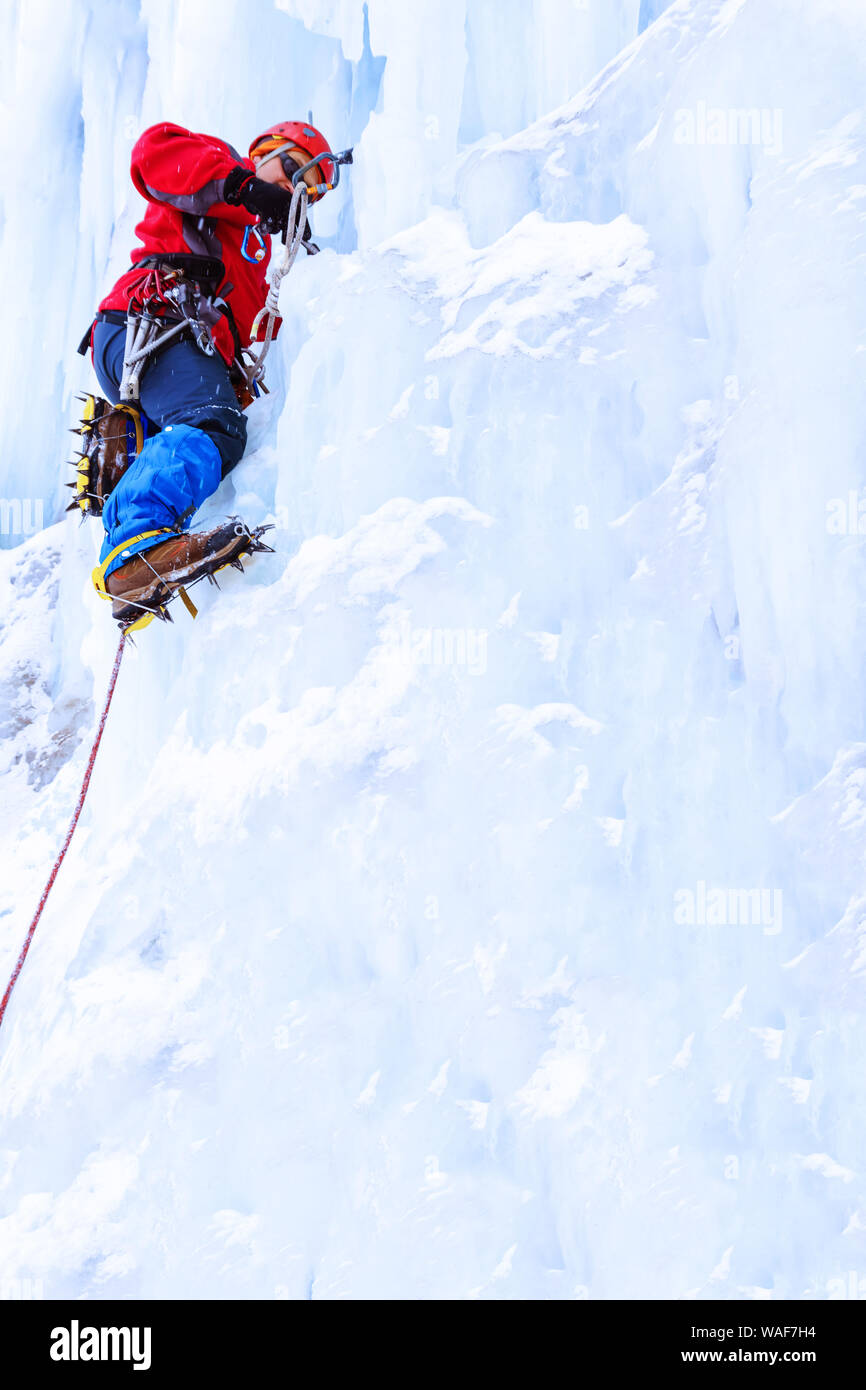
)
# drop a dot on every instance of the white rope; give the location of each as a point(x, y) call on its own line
point(297, 221)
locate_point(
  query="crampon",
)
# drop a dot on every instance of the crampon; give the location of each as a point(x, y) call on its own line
point(143, 588)
point(111, 436)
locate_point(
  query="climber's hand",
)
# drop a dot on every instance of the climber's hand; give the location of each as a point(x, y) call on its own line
point(268, 200)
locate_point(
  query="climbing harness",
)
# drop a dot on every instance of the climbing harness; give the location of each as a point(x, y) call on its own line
point(163, 306)
point(22, 955)
point(177, 296)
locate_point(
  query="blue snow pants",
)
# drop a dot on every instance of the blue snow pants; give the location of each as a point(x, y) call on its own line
point(200, 435)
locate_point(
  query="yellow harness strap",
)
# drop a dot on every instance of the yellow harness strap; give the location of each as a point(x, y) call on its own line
point(187, 602)
point(98, 575)
point(135, 416)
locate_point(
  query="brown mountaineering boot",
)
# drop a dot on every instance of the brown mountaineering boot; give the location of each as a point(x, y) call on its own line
point(151, 578)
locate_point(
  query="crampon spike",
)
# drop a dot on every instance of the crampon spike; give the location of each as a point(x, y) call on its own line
point(256, 543)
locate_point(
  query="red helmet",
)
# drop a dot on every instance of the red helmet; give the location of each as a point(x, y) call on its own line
point(305, 140)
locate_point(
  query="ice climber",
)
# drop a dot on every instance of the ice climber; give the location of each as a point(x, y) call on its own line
point(196, 284)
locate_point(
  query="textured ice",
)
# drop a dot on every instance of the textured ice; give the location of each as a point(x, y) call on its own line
point(415, 940)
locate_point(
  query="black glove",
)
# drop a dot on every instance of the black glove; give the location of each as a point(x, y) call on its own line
point(268, 200)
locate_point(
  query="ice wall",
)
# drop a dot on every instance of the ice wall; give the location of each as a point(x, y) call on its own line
point(83, 78)
point(383, 964)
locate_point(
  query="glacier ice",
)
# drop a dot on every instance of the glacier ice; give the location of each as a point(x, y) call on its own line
point(365, 975)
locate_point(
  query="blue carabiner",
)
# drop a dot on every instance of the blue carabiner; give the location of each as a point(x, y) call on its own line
point(257, 255)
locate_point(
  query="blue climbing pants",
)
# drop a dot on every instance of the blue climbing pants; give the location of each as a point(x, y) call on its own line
point(197, 433)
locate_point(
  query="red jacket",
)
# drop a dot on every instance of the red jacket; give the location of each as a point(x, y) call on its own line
point(181, 175)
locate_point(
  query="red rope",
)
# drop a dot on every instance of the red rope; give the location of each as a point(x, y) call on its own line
point(70, 832)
